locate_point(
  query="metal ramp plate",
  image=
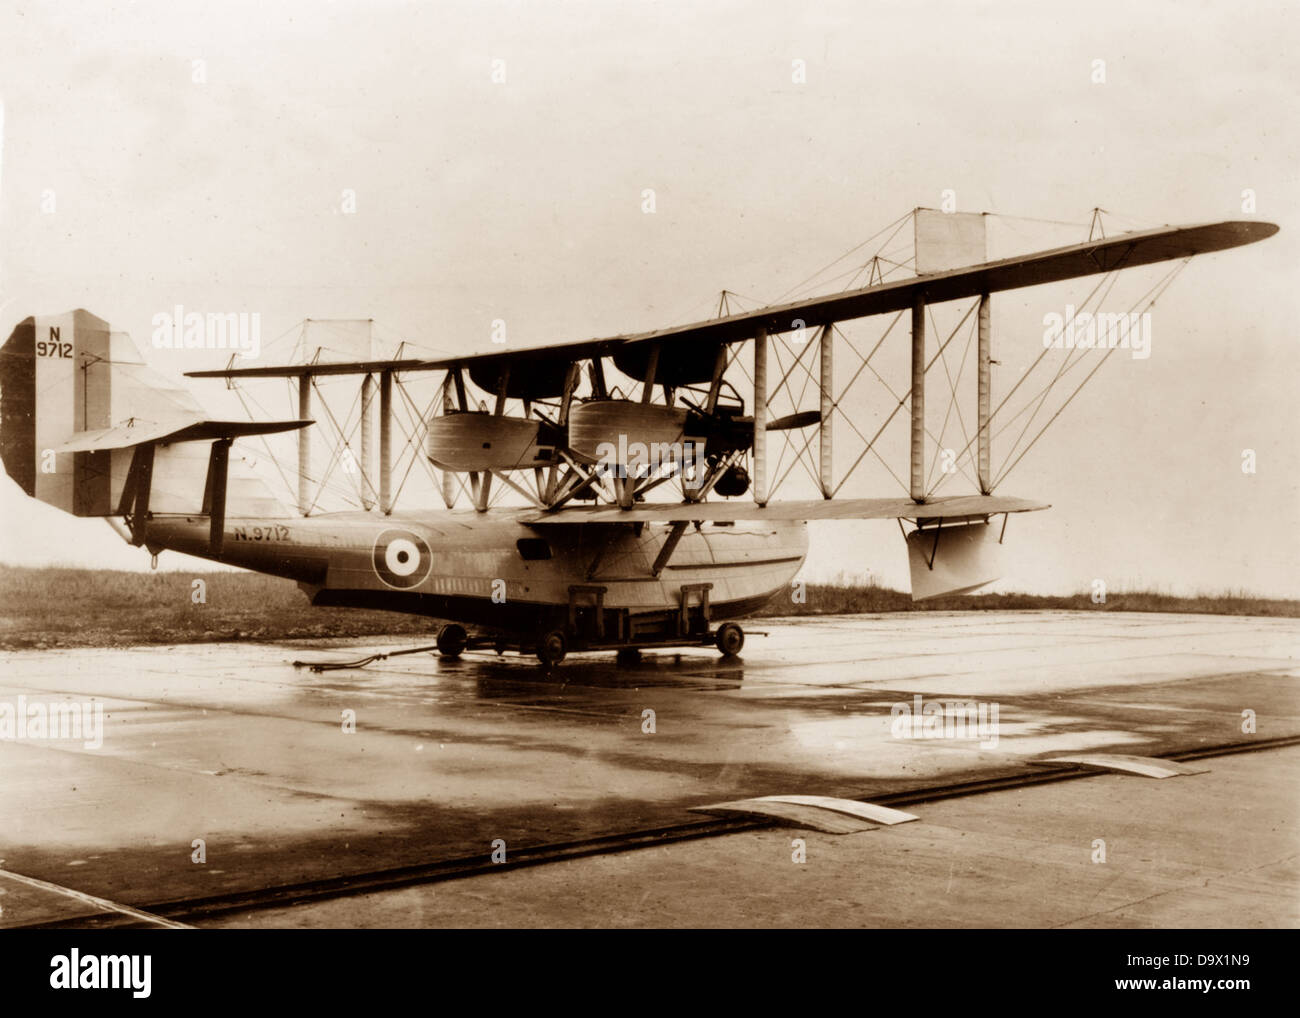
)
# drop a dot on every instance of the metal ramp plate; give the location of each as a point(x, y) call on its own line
point(819, 812)
point(1145, 766)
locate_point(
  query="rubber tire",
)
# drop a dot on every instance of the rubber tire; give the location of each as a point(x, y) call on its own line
point(452, 641)
point(730, 639)
point(552, 647)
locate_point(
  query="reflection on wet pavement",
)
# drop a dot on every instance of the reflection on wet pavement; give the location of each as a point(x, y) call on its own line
point(228, 743)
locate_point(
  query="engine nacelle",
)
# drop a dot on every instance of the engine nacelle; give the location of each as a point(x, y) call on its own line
point(474, 440)
point(631, 435)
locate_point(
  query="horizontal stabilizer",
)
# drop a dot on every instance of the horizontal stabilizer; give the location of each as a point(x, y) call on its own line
point(949, 507)
point(136, 433)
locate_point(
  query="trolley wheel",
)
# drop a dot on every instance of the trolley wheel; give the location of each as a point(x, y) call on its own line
point(551, 647)
point(452, 640)
point(730, 638)
point(628, 656)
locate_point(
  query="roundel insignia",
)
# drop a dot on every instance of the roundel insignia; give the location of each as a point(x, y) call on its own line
point(402, 559)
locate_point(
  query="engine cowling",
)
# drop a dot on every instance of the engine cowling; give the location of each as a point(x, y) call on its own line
point(474, 440)
point(628, 434)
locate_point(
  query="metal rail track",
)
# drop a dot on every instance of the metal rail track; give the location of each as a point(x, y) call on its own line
point(192, 910)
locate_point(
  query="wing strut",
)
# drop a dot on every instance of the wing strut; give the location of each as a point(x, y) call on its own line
point(985, 476)
point(135, 492)
point(214, 494)
point(386, 442)
point(670, 546)
point(918, 398)
point(760, 415)
point(827, 408)
point(367, 442)
point(304, 445)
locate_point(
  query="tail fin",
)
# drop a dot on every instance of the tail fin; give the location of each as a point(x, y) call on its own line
point(77, 399)
point(55, 380)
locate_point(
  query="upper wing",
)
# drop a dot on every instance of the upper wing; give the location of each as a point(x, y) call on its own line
point(1125, 250)
point(817, 509)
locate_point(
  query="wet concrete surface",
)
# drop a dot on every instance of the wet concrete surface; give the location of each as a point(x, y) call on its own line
point(1217, 850)
point(230, 744)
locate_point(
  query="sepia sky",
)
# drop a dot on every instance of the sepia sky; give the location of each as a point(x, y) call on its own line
point(522, 200)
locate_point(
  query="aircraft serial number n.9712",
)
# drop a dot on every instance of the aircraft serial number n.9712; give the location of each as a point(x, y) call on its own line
point(271, 532)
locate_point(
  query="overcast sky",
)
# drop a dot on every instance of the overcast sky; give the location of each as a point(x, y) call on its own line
point(522, 200)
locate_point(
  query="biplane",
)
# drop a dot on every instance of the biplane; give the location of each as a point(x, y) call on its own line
point(645, 501)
